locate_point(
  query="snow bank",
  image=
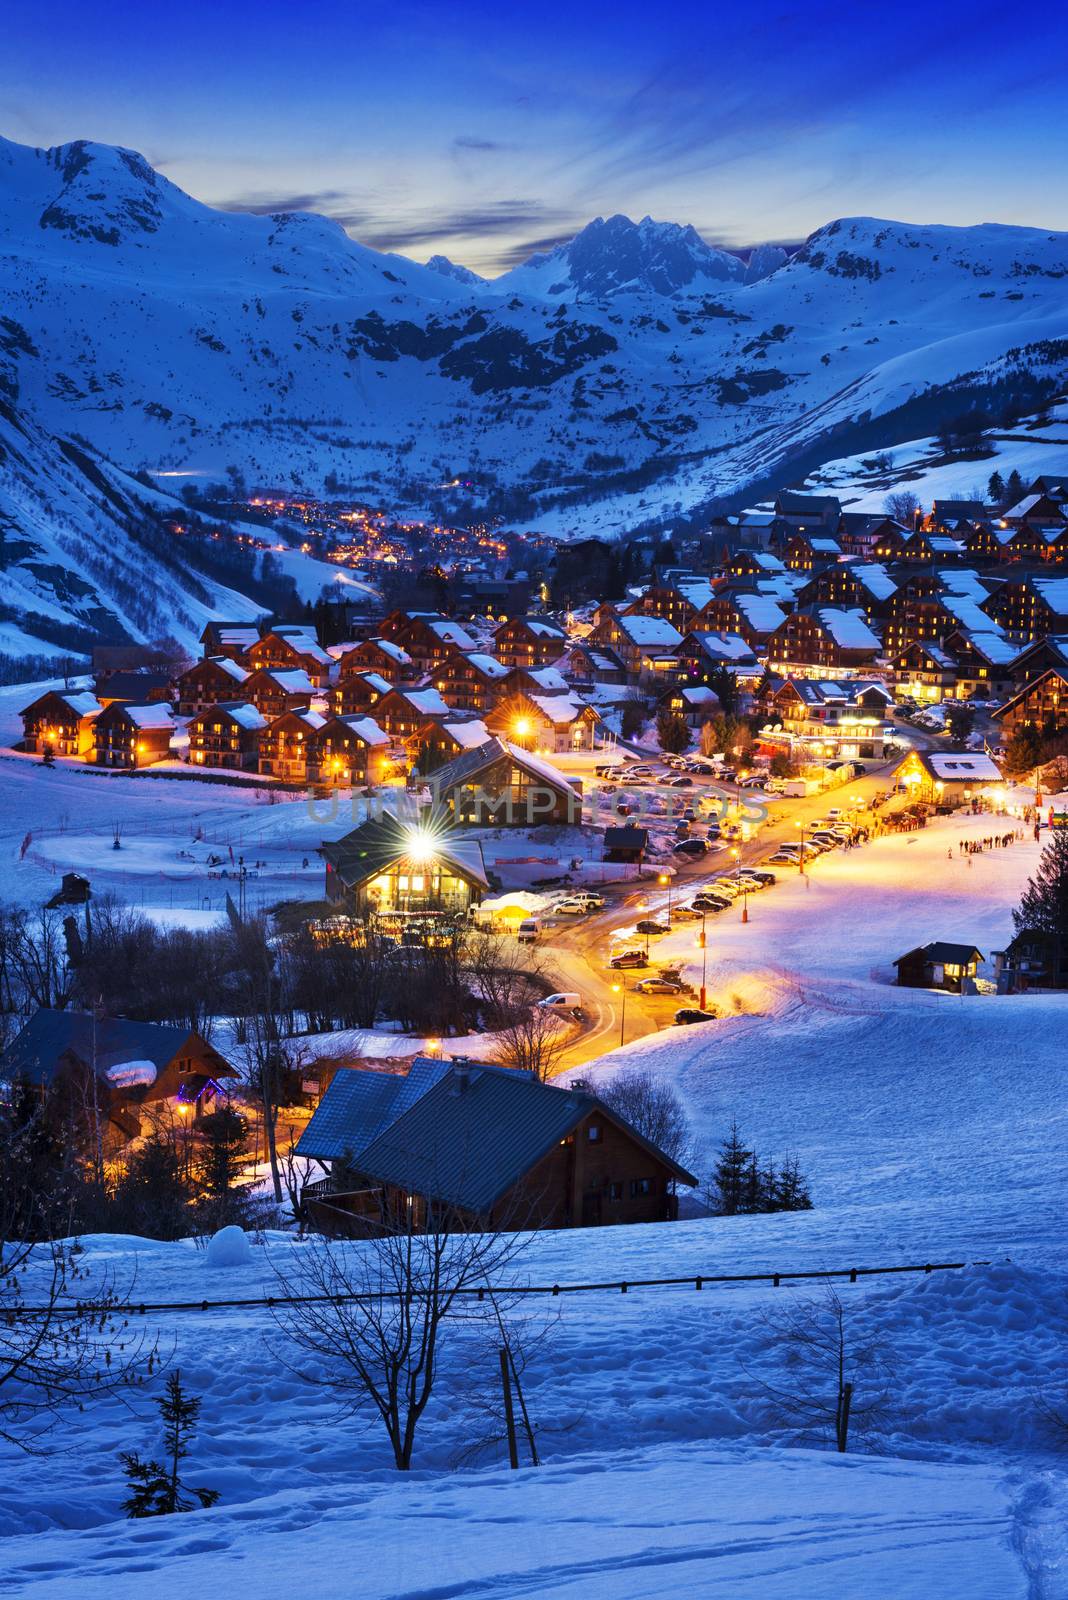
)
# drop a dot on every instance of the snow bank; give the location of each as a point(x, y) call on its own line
point(228, 1248)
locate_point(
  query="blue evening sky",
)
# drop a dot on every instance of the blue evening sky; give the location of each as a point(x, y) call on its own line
point(483, 131)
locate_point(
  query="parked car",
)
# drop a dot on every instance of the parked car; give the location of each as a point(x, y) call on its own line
point(571, 908)
point(681, 782)
point(649, 925)
point(568, 1001)
point(755, 780)
point(629, 958)
point(684, 914)
point(762, 875)
point(710, 902)
point(688, 1014)
point(751, 881)
point(690, 847)
point(658, 986)
point(726, 886)
point(784, 858)
point(589, 898)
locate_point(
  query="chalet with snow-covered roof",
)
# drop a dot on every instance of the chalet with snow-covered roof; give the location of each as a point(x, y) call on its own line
point(346, 751)
point(1043, 703)
point(925, 672)
point(288, 650)
point(61, 721)
point(132, 736)
point(550, 722)
point(947, 777)
point(1035, 658)
point(358, 693)
point(283, 745)
point(226, 735)
point(796, 512)
point(948, 516)
point(207, 683)
point(402, 712)
point(129, 1069)
point(536, 680)
point(833, 717)
point(646, 645)
point(471, 680)
point(1039, 510)
point(752, 564)
point(860, 533)
point(585, 664)
point(822, 639)
point(389, 868)
point(807, 552)
point(694, 703)
point(701, 655)
point(476, 1145)
point(529, 642)
point(1029, 608)
point(891, 541)
point(677, 602)
point(753, 617)
point(427, 637)
point(230, 639)
point(984, 663)
point(441, 739)
point(275, 691)
point(501, 783)
point(384, 656)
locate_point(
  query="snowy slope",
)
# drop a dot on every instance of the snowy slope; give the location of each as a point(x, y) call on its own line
point(173, 337)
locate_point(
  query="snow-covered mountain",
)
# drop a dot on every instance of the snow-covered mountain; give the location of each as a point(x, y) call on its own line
point(451, 269)
point(657, 381)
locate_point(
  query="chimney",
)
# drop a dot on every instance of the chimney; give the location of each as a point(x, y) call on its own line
point(461, 1073)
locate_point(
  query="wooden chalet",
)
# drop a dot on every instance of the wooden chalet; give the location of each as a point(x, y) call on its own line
point(1036, 658)
point(938, 965)
point(442, 739)
point(678, 602)
point(207, 683)
point(389, 868)
point(427, 637)
point(358, 693)
point(131, 1069)
point(276, 690)
point(529, 642)
point(807, 552)
point(924, 672)
point(466, 1144)
point(404, 712)
point(984, 663)
point(470, 680)
point(947, 777)
point(1035, 959)
point(585, 664)
point(132, 736)
point(1043, 703)
point(502, 784)
point(823, 638)
point(286, 650)
point(647, 646)
point(226, 735)
point(283, 745)
point(383, 656)
point(754, 617)
point(230, 639)
point(545, 722)
point(840, 717)
point(61, 721)
point(1029, 608)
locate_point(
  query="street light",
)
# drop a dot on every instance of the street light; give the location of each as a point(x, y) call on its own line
point(702, 944)
point(801, 857)
point(621, 989)
point(663, 878)
point(739, 884)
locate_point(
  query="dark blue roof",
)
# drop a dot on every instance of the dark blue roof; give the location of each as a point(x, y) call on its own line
point(35, 1054)
point(359, 1104)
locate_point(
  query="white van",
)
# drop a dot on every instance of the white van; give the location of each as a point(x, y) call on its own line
point(561, 1002)
point(527, 932)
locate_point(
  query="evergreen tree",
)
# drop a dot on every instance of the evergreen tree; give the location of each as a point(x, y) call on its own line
point(724, 686)
point(1024, 750)
point(672, 732)
point(1014, 488)
point(1043, 906)
point(48, 756)
point(730, 1176)
point(156, 1489)
point(995, 489)
point(790, 1192)
point(223, 1133)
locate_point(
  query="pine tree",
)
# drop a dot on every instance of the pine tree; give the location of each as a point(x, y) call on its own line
point(1024, 750)
point(995, 489)
point(791, 1191)
point(156, 1487)
point(1014, 488)
point(672, 732)
point(48, 756)
point(729, 1177)
point(1043, 905)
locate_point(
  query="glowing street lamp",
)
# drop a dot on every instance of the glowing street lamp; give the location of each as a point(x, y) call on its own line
point(801, 857)
point(703, 947)
point(739, 884)
point(621, 990)
point(665, 878)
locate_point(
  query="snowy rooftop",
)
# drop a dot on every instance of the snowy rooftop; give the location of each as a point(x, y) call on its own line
point(654, 633)
point(153, 716)
point(848, 628)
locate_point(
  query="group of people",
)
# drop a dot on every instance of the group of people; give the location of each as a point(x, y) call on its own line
point(993, 841)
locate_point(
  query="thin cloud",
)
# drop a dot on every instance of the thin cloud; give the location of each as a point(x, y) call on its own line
point(465, 142)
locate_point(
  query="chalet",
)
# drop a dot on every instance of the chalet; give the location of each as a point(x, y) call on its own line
point(1043, 704)
point(754, 617)
point(891, 542)
point(916, 611)
point(130, 1068)
point(427, 637)
point(1034, 959)
point(535, 680)
point(984, 663)
point(807, 552)
point(207, 683)
point(947, 516)
point(384, 656)
point(925, 672)
point(1029, 608)
point(465, 1144)
point(839, 717)
point(545, 722)
point(529, 642)
point(1034, 659)
point(275, 691)
point(226, 735)
point(1039, 510)
point(861, 534)
point(947, 777)
point(585, 664)
point(806, 513)
point(503, 784)
point(132, 736)
point(290, 650)
point(986, 542)
point(678, 602)
point(386, 867)
point(346, 751)
point(60, 721)
point(938, 965)
point(923, 549)
point(230, 639)
point(646, 645)
point(441, 739)
point(626, 844)
point(471, 680)
point(703, 654)
point(356, 694)
point(695, 703)
point(752, 564)
point(403, 712)
point(283, 745)
point(825, 638)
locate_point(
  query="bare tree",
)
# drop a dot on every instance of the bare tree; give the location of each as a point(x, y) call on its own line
point(652, 1108)
point(902, 505)
point(834, 1377)
point(377, 1316)
point(534, 1041)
